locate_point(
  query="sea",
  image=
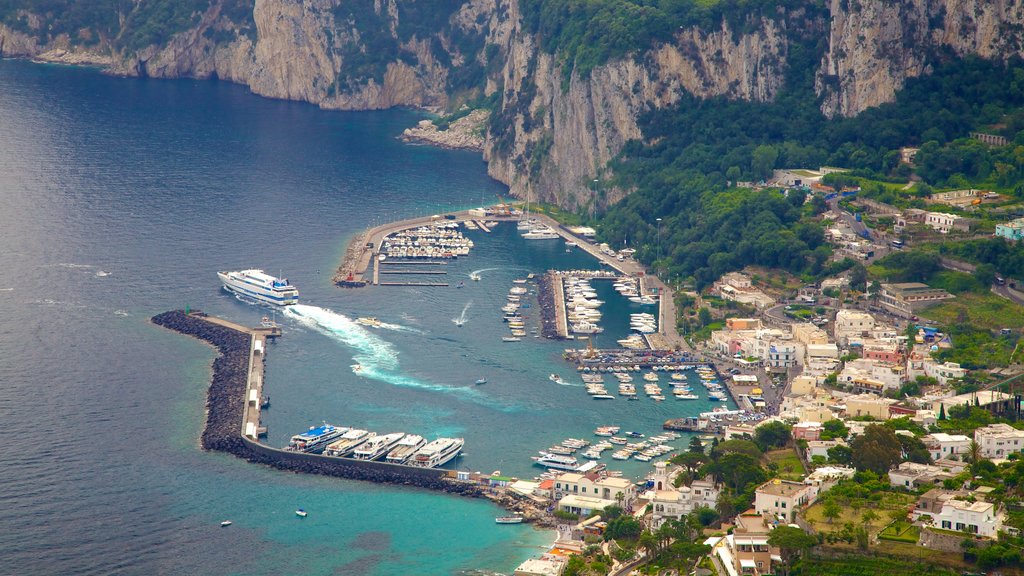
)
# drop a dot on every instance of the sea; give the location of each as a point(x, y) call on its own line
point(120, 199)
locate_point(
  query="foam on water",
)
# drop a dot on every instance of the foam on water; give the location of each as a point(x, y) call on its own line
point(377, 358)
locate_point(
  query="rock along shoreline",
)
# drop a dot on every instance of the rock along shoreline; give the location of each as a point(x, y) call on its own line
point(225, 403)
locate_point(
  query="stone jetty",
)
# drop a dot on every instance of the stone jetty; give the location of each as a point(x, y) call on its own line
point(225, 405)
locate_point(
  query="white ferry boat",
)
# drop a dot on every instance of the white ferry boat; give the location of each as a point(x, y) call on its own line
point(557, 462)
point(377, 446)
point(348, 442)
point(260, 286)
point(315, 439)
point(437, 453)
point(405, 448)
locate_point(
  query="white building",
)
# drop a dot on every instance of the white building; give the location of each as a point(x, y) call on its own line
point(981, 518)
point(549, 566)
point(674, 504)
point(873, 375)
point(999, 440)
point(614, 490)
point(911, 475)
point(941, 221)
point(783, 499)
point(941, 445)
point(943, 372)
point(853, 323)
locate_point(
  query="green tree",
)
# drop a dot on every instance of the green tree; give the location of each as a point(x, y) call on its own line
point(877, 449)
point(840, 454)
point(772, 435)
point(833, 429)
point(831, 510)
point(791, 542)
point(868, 516)
point(762, 161)
point(696, 446)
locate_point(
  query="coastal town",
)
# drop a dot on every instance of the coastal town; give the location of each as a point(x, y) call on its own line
point(851, 432)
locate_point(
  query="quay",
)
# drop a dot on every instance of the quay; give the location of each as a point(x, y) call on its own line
point(237, 371)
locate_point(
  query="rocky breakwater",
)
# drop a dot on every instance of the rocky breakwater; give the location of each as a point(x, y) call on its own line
point(225, 403)
point(465, 133)
point(548, 309)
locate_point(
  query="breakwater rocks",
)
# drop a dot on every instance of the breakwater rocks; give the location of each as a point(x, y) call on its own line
point(225, 403)
point(546, 301)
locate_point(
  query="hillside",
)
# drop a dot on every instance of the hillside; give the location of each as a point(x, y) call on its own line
point(570, 80)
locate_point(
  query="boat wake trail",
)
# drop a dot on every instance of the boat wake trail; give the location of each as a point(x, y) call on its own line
point(477, 272)
point(462, 317)
point(377, 358)
point(400, 328)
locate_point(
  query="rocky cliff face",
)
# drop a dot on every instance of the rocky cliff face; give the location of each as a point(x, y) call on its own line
point(552, 132)
point(875, 46)
point(559, 135)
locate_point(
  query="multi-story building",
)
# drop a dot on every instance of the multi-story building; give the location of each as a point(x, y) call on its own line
point(852, 323)
point(941, 221)
point(610, 490)
point(912, 476)
point(748, 546)
point(999, 440)
point(1012, 230)
point(960, 512)
point(807, 431)
point(783, 499)
point(868, 405)
point(943, 372)
point(906, 297)
point(872, 376)
point(675, 504)
point(941, 445)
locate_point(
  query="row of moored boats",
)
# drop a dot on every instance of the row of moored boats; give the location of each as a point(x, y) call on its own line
point(511, 311)
point(359, 444)
point(581, 305)
point(440, 240)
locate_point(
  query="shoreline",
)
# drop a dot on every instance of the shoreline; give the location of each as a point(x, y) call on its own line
point(225, 406)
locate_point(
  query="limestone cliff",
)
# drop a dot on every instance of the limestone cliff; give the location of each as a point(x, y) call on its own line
point(552, 131)
point(875, 46)
point(557, 138)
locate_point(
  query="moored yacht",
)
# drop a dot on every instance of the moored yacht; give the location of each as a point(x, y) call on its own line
point(315, 439)
point(348, 442)
point(377, 446)
point(405, 448)
point(437, 453)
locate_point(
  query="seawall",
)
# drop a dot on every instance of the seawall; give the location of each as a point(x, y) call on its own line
point(225, 405)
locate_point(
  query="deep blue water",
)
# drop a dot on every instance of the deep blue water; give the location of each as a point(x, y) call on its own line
point(119, 199)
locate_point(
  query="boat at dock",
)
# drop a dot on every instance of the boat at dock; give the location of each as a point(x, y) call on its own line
point(315, 438)
point(258, 285)
point(405, 448)
point(348, 442)
point(376, 447)
point(508, 520)
point(556, 461)
point(437, 453)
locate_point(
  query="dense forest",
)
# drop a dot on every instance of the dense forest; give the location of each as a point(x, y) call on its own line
point(701, 147)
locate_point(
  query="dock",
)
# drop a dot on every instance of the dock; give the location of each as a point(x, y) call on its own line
point(561, 321)
point(413, 272)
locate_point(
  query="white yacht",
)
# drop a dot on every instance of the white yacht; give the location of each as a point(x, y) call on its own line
point(377, 447)
point(260, 286)
point(348, 442)
point(556, 461)
point(541, 233)
point(405, 448)
point(315, 439)
point(437, 453)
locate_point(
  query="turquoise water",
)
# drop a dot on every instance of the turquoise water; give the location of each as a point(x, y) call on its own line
point(121, 198)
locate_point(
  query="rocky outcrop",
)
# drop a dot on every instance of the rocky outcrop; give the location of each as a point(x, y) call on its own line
point(874, 46)
point(466, 133)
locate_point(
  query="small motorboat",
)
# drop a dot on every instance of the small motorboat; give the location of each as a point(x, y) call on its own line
point(556, 379)
point(509, 520)
point(225, 524)
point(301, 513)
point(481, 381)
